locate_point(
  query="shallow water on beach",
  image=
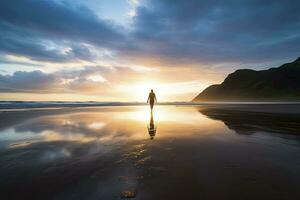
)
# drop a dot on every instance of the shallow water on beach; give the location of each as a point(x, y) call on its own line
point(176, 152)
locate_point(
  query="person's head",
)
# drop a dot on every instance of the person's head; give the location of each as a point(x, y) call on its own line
point(152, 90)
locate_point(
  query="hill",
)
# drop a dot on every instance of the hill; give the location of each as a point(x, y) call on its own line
point(274, 84)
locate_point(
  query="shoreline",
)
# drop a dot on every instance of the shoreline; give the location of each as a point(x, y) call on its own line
point(267, 107)
point(54, 104)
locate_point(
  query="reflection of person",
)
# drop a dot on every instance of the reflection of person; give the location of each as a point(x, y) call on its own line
point(151, 127)
point(151, 99)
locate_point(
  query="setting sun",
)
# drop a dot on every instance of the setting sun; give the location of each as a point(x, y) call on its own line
point(139, 91)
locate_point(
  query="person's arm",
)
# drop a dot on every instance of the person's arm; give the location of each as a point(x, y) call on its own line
point(148, 98)
point(155, 98)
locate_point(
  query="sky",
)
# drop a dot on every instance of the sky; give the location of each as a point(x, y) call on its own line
point(117, 50)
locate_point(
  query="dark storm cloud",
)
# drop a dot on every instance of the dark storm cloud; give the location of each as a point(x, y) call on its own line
point(218, 31)
point(25, 24)
point(194, 31)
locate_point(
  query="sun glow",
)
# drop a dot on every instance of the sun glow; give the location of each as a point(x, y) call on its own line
point(140, 91)
point(165, 91)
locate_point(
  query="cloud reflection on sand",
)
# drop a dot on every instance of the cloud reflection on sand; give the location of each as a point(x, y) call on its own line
point(111, 125)
point(96, 153)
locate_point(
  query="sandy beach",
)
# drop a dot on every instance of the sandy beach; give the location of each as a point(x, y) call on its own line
point(207, 152)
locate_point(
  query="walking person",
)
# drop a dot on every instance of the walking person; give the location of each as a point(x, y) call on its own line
point(151, 99)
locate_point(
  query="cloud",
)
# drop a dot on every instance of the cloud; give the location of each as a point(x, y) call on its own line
point(29, 28)
point(177, 31)
point(88, 80)
point(40, 82)
point(217, 31)
point(20, 81)
point(102, 83)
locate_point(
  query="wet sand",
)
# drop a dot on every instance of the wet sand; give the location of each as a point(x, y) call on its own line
point(196, 152)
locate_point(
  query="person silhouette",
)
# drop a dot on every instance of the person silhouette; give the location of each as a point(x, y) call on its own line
point(151, 99)
point(151, 127)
